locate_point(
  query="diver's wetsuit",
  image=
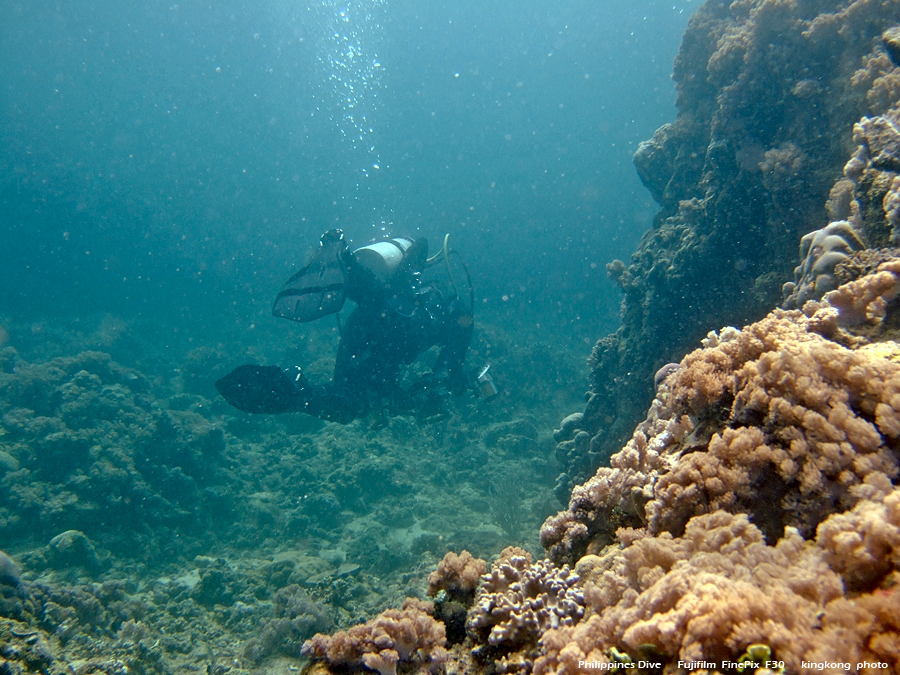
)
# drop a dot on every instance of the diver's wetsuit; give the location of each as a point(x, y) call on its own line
point(389, 328)
point(378, 339)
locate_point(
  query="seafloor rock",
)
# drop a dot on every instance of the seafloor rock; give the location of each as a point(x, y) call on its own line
point(73, 549)
point(9, 572)
point(768, 93)
point(874, 203)
point(296, 618)
point(12, 589)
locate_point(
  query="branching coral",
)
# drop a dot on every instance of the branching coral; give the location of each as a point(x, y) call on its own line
point(519, 600)
point(718, 589)
point(863, 544)
point(862, 630)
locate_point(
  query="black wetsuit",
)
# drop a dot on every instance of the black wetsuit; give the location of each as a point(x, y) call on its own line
point(389, 328)
point(378, 339)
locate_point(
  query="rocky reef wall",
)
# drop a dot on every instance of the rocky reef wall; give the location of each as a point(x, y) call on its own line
point(768, 92)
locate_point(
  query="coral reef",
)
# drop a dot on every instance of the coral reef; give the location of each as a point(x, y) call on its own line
point(87, 448)
point(754, 514)
point(754, 511)
point(674, 593)
point(768, 92)
point(408, 635)
point(868, 198)
point(872, 171)
point(458, 576)
point(708, 595)
point(865, 299)
point(518, 601)
point(775, 420)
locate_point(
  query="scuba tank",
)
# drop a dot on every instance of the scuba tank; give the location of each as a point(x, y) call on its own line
point(334, 273)
point(384, 258)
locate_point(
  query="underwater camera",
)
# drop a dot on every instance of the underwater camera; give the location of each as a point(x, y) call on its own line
point(485, 384)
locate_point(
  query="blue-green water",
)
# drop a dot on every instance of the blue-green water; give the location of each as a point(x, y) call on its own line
point(166, 167)
point(161, 153)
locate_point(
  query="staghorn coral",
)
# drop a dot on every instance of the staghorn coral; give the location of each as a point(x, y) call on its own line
point(458, 575)
point(774, 420)
point(519, 600)
point(407, 635)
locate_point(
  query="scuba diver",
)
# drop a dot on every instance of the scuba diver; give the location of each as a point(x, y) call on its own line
point(397, 318)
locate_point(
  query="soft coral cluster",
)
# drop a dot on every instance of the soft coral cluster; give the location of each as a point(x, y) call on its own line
point(774, 420)
point(708, 595)
point(408, 635)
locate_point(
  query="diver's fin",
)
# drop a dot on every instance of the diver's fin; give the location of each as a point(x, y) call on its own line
point(260, 389)
point(320, 287)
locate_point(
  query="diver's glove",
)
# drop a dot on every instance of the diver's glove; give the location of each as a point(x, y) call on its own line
point(265, 389)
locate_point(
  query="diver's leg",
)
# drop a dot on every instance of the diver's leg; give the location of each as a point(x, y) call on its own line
point(333, 406)
point(271, 390)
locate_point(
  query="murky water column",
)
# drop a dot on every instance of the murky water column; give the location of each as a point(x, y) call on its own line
point(348, 55)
